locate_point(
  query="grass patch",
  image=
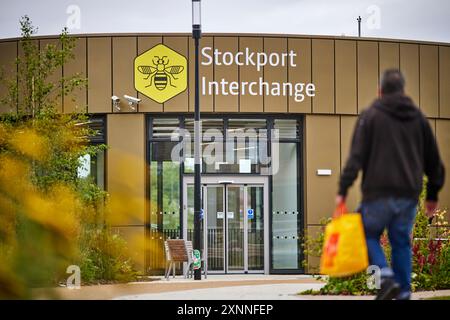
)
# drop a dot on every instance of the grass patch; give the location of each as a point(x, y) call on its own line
point(439, 298)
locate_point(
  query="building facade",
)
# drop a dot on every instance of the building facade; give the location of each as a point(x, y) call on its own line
point(279, 111)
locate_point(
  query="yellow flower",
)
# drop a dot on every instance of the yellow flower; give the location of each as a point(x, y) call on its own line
point(27, 142)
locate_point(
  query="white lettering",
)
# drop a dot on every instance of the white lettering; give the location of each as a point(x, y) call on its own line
point(292, 54)
point(206, 55)
point(261, 60)
point(239, 62)
point(259, 87)
point(249, 57)
point(217, 54)
point(227, 58)
point(274, 59)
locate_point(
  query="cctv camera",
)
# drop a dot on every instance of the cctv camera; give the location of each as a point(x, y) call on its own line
point(116, 101)
point(132, 100)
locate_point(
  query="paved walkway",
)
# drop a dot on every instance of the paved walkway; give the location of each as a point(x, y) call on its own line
point(217, 287)
point(160, 285)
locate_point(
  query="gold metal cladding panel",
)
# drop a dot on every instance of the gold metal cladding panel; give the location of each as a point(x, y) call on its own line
point(429, 77)
point(409, 65)
point(55, 77)
point(135, 239)
point(347, 128)
point(443, 140)
point(8, 54)
point(275, 74)
point(345, 51)
point(320, 65)
point(77, 100)
point(147, 104)
point(323, 75)
point(247, 102)
point(226, 103)
point(179, 103)
point(206, 101)
point(301, 73)
point(99, 75)
point(367, 73)
point(322, 152)
point(124, 52)
point(389, 56)
point(444, 82)
point(126, 168)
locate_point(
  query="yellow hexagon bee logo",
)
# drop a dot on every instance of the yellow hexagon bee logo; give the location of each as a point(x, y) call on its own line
point(160, 73)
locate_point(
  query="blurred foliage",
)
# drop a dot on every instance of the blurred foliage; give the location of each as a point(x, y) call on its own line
point(50, 218)
point(431, 257)
point(431, 250)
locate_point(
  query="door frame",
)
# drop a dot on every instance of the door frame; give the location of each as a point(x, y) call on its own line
point(225, 180)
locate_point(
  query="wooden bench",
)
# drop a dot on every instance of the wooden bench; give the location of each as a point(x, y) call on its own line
point(178, 250)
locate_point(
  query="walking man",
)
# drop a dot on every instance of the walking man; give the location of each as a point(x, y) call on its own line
point(394, 147)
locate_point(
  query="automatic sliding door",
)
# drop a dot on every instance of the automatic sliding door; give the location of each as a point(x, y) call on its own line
point(215, 219)
point(235, 228)
point(255, 227)
point(235, 215)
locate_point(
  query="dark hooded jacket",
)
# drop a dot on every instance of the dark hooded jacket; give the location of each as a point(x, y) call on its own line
point(394, 146)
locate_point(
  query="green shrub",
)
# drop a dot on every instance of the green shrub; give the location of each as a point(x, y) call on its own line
point(104, 257)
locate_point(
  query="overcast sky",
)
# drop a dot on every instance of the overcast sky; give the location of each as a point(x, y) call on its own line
point(399, 19)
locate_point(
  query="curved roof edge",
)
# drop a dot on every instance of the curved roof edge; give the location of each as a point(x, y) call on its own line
point(227, 34)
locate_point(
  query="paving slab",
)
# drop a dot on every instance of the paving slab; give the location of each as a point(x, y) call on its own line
point(215, 287)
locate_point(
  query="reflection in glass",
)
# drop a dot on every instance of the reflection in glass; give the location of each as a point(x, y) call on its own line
point(164, 189)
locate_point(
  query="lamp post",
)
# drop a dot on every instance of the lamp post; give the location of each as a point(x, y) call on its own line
point(196, 34)
point(359, 25)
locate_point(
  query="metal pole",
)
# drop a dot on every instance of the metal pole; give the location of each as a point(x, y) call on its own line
point(197, 172)
point(359, 26)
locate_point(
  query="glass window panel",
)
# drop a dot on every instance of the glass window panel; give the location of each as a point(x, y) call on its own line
point(98, 169)
point(154, 194)
point(235, 225)
point(287, 128)
point(244, 145)
point(255, 231)
point(245, 124)
point(162, 151)
point(211, 129)
point(93, 168)
point(171, 195)
point(216, 225)
point(164, 189)
point(97, 123)
point(285, 250)
point(165, 128)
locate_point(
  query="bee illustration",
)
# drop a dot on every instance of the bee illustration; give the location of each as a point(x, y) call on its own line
point(159, 73)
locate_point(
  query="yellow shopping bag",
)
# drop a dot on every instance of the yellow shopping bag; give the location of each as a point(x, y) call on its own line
point(344, 250)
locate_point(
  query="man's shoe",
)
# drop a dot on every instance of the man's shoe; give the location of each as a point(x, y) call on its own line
point(389, 289)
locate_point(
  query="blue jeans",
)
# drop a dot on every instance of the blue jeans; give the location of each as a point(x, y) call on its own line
point(397, 216)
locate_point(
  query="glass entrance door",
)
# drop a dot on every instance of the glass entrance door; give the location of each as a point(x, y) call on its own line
point(234, 240)
point(235, 228)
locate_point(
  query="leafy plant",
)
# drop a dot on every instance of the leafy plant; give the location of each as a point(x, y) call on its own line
point(50, 217)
